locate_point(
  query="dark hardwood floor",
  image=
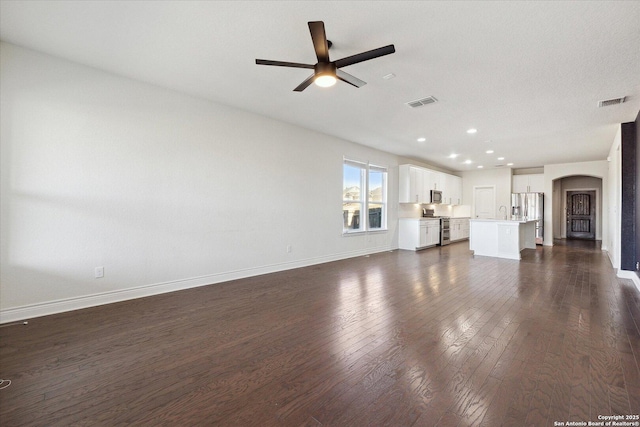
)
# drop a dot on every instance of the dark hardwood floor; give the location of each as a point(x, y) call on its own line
point(436, 337)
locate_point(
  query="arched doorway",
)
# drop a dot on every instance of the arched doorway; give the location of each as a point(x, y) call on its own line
point(577, 207)
point(581, 214)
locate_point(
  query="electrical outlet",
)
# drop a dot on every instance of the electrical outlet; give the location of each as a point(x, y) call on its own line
point(289, 249)
point(99, 273)
point(638, 266)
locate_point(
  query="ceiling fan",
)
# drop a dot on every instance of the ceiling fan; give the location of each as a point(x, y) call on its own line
point(325, 71)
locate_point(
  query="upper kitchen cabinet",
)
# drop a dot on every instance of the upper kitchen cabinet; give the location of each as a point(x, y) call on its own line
point(416, 183)
point(433, 180)
point(452, 193)
point(412, 189)
point(529, 183)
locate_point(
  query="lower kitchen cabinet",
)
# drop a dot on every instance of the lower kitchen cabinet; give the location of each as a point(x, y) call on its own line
point(459, 229)
point(418, 233)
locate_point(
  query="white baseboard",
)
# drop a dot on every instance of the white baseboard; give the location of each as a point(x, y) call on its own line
point(59, 306)
point(611, 260)
point(631, 275)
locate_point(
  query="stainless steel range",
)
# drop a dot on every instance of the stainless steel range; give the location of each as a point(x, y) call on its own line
point(445, 237)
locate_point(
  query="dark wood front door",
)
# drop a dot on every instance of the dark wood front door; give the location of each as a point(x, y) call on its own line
point(581, 215)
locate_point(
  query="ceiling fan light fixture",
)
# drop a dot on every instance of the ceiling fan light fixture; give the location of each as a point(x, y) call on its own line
point(326, 80)
point(325, 74)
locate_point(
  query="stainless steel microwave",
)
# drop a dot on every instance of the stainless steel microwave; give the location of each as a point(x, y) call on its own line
point(436, 196)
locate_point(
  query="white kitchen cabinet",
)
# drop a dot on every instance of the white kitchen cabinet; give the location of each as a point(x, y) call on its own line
point(433, 180)
point(416, 183)
point(422, 236)
point(529, 183)
point(452, 190)
point(433, 232)
point(465, 229)
point(411, 185)
point(417, 186)
point(418, 233)
point(454, 230)
point(459, 229)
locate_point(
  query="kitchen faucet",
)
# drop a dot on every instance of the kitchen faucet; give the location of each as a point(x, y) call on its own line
point(505, 211)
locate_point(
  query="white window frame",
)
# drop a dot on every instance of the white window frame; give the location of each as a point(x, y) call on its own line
point(365, 169)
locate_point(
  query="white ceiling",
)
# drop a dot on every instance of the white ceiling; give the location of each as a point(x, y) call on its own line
point(527, 75)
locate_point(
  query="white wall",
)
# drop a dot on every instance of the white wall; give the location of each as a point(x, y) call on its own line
point(615, 199)
point(557, 201)
point(598, 169)
point(500, 178)
point(164, 190)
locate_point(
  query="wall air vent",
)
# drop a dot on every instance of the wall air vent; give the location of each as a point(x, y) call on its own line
point(423, 101)
point(614, 101)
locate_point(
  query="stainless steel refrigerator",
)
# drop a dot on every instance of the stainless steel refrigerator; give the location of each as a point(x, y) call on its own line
point(529, 206)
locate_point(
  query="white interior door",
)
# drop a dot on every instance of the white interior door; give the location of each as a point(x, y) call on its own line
point(484, 201)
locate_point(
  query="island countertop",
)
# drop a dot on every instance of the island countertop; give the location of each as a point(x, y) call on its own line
point(520, 221)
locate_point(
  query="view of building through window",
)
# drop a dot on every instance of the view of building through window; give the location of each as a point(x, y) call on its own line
point(364, 189)
point(377, 196)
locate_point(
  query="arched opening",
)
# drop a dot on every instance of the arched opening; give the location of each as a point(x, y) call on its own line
point(577, 207)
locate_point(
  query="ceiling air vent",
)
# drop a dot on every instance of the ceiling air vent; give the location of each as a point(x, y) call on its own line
point(423, 101)
point(614, 101)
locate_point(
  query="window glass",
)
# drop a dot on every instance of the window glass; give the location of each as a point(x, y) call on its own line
point(364, 189)
point(377, 198)
point(352, 192)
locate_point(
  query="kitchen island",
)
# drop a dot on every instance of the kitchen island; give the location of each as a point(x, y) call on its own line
point(501, 238)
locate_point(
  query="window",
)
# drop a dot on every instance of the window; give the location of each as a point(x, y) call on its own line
point(377, 202)
point(364, 189)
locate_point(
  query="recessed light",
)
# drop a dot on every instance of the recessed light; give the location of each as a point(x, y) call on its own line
point(453, 155)
point(422, 139)
point(388, 76)
point(467, 162)
point(489, 151)
point(509, 164)
point(500, 158)
point(480, 167)
point(472, 130)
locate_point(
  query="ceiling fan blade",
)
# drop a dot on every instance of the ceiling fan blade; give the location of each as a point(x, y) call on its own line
point(365, 56)
point(283, 64)
point(348, 78)
point(305, 84)
point(319, 38)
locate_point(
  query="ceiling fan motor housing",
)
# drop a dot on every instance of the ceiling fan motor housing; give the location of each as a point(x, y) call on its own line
point(325, 69)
